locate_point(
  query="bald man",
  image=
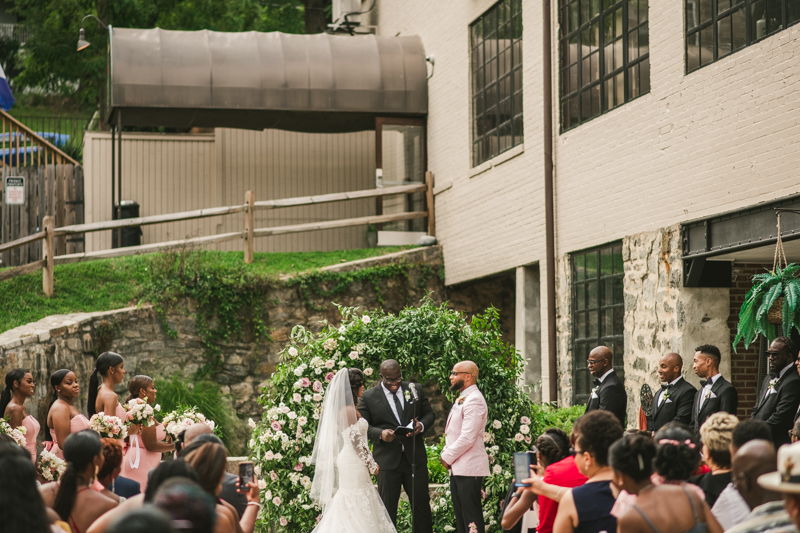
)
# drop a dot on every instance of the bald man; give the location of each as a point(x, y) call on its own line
point(752, 460)
point(674, 400)
point(608, 392)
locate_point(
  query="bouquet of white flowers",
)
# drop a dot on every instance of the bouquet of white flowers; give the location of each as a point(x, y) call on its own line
point(51, 466)
point(183, 417)
point(140, 412)
point(108, 426)
point(18, 434)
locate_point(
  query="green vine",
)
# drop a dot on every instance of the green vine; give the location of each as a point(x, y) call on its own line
point(227, 299)
point(327, 284)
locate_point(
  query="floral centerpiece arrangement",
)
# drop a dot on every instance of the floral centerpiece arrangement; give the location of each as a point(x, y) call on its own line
point(51, 466)
point(181, 418)
point(18, 433)
point(140, 412)
point(108, 426)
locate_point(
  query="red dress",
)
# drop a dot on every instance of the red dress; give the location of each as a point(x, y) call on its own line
point(563, 473)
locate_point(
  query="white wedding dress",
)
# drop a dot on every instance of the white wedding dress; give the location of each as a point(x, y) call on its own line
point(356, 506)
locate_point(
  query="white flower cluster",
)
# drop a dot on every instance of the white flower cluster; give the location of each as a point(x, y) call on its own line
point(108, 426)
point(180, 419)
point(51, 466)
point(140, 412)
point(18, 433)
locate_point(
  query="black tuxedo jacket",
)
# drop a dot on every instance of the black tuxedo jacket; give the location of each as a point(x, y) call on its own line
point(127, 488)
point(727, 399)
point(779, 409)
point(677, 407)
point(611, 396)
point(374, 407)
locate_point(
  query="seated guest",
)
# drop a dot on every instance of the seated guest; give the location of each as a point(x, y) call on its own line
point(109, 476)
point(631, 458)
point(675, 399)
point(189, 507)
point(72, 496)
point(777, 401)
point(730, 508)
point(587, 509)
point(677, 455)
point(751, 461)
point(794, 434)
point(716, 435)
point(21, 505)
point(145, 520)
point(787, 482)
point(553, 456)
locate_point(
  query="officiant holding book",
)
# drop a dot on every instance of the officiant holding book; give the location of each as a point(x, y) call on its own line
point(391, 404)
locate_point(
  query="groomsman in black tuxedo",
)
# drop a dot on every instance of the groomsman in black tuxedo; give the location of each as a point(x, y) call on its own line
point(608, 393)
point(392, 403)
point(779, 396)
point(715, 394)
point(675, 399)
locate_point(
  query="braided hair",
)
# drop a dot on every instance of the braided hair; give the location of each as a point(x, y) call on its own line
point(356, 382)
point(633, 456)
point(552, 445)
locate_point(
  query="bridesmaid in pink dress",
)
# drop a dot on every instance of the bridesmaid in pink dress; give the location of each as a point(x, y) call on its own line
point(110, 367)
point(144, 451)
point(63, 418)
point(19, 387)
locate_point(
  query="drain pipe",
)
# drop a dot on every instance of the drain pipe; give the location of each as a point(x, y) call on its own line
point(549, 224)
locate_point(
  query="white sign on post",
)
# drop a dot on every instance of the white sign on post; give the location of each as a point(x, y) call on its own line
point(14, 190)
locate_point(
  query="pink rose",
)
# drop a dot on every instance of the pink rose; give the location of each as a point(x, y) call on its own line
point(305, 382)
point(329, 376)
point(298, 467)
point(317, 386)
point(273, 475)
point(284, 521)
point(276, 425)
point(319, 517)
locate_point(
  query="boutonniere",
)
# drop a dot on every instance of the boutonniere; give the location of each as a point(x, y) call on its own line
point(407, 395)
point(594, 390)
point(460, 401)
point(665, 395)
point(708, 394)
point(772, 383)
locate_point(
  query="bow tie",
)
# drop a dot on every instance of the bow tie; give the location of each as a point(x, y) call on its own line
point(704, 382)
point(773, 376)
point(664, 386)
point(597, 382)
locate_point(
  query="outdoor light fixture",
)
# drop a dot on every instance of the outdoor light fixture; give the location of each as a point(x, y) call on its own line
point(82, 42)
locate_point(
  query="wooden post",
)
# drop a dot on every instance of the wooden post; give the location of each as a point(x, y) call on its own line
point(429, 194)
point(48, 251)
point(249, 199)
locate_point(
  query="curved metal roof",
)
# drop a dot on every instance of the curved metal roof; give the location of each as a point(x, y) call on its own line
point(253, 80)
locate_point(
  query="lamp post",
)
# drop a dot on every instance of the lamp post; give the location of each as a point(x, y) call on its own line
point(82, 42)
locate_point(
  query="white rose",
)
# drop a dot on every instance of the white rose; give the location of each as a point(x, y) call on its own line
point(293, 351)
point(367, 371)
point(366, 319)
point(268, 495)
point(524, 429)
point(298, 371)
point(292, 415)
point(251, 423)
point(262, 484)
point(278, 457)
point(252, 443)
point(497, 424)
point(518, 437)
point(296, 397)
point(269, 456)
point(307, 397)
point(497, 469)
point(342, 329)
point(302, 421)
point(318, 371)
point(487, 437)
point(330, 363)
point(342, 363)
point(354, 355)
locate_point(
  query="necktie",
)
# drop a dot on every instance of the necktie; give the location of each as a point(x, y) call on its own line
point(597, 382)
point(397, 405)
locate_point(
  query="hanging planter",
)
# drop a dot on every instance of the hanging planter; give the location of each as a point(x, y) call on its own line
point(772, 300)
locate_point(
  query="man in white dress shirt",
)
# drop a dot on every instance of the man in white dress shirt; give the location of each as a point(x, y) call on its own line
point(716, 393)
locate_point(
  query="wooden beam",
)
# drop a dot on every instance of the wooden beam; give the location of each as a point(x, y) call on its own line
point(24, 269)
point(146, 248)
point(22, 241)
point(145, 221)
point(8, 118)
point(329, 224)
point(429, 201)
point(340, 196)
point(48, 255)
point(249, 199)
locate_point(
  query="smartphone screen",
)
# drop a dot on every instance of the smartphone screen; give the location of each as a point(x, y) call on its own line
point(245, 475)
point(522, 468)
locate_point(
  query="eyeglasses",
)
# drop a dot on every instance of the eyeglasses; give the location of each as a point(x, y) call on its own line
point(592, 362)
point(575, 451)
point(454, 373)
point(773, 354)
point(395, 380)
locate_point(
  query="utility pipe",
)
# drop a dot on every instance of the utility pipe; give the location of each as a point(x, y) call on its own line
point(549, 218)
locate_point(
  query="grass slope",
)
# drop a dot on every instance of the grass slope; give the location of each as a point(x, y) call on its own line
point(115, 283)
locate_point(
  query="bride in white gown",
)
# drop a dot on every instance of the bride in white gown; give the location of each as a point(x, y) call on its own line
point(342, 484)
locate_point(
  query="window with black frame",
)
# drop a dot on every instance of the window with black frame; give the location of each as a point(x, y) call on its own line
point(716, 28)
point(597, 312)
point(496, 48)
point(604, 56)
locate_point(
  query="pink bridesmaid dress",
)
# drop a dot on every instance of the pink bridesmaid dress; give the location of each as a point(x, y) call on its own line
point(77, 423)
point(32, 430)
point(138, 461)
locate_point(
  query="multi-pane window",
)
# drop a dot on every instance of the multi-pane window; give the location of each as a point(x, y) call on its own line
point(715, 28)
point(496, 42)
point(597, 311)
point(604, 56)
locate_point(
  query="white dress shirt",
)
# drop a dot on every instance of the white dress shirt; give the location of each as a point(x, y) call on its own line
point(661, 393)
point(780, 375)
point(705, 390)
point(390, 397)
point(604, 376)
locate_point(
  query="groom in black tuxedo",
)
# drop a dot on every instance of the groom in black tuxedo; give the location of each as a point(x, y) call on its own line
point(389, 404)
point(675, 399)
point(716, 394)
point(779, 396)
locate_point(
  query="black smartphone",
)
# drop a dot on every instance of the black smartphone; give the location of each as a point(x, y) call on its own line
point(245, 475)
point(522, 468)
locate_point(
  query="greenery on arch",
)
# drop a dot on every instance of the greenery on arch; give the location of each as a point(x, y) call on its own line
point(427, 341)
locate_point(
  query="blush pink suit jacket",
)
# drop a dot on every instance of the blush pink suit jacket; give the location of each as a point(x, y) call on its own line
point(464, 450)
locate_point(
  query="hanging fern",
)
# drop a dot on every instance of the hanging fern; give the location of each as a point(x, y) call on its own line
point(766, 290)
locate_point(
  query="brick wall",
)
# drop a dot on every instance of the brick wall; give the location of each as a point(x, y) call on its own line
point(744, 363)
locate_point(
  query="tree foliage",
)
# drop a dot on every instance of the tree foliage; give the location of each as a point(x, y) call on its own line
point(51, 62)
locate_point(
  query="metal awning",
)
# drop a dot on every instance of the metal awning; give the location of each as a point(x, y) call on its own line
point(253, 80)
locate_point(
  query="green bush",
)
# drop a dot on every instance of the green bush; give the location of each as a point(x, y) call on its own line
point(207, 397)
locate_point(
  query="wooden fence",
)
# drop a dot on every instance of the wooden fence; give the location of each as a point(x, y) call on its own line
point(51, 235)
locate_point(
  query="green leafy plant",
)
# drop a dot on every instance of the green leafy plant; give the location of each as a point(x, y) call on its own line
point(427, 341)
point(766, 290)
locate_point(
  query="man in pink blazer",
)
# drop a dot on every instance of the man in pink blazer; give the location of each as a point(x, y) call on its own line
point(464, 455)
